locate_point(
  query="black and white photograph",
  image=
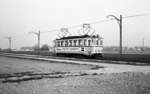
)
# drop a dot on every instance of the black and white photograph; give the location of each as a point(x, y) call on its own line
point(74, 46)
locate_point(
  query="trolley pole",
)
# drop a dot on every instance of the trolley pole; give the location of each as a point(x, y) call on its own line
point(119, 20)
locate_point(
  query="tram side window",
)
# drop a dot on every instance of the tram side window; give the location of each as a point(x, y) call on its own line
point(85, 42)
point(94, 41)
point(75, 42)
point(62, 43)
point(97, 42)
point(70, 42)
point(79, 42)
point(66, 43)
point(89, 42)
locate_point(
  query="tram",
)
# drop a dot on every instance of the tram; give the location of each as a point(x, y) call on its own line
point(85, 45)
point(79, 45)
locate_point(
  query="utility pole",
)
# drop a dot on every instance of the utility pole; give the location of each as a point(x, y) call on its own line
point(143, 44)
point(39, 39)
point(119, 20)
point(9, 40)
point(120, 34)
point(38, 35)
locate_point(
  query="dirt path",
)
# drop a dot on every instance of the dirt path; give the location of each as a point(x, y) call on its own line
point(21, 76)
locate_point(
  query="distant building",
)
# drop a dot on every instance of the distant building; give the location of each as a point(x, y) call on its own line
point(26, 48)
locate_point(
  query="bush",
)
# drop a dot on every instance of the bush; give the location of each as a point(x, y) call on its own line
point(35, 47)
point(45, 47)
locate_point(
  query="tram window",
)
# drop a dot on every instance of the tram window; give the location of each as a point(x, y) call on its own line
point(94, 42)
point(70, 42)
point(89, 42)
point(82, 43)
point(85, 43)
point(66, 43)
point(79, 42)
point(75, 42)
point(62, 43)
point(97, 42)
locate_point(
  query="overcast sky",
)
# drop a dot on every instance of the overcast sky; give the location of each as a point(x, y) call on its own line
point(18, 17)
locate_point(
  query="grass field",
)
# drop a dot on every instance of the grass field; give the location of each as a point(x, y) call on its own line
point(127, 57)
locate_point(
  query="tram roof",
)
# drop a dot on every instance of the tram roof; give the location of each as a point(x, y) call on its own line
point(75, 37)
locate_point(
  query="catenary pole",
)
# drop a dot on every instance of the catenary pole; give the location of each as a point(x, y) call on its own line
point(119, 20)
point(38, 36)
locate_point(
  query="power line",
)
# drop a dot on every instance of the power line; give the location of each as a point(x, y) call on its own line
point(138, 15)
point(79, 25)
point(100, 21)
point(95, 22)
point(50, 31)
